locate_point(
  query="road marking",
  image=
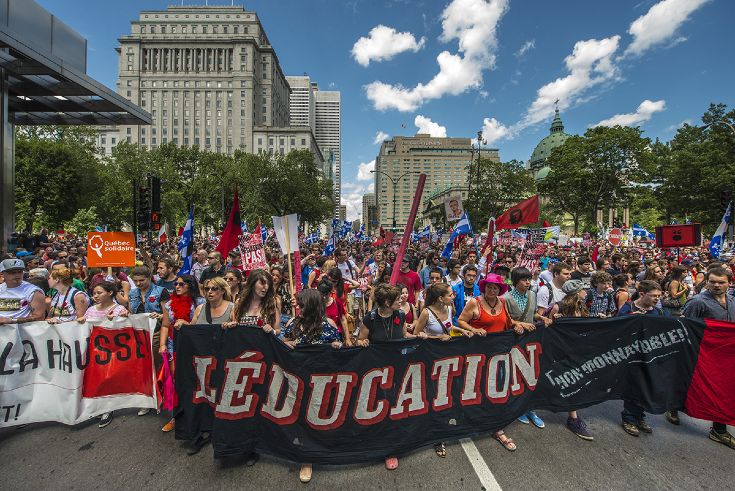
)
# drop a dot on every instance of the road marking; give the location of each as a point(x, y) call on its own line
point(487, 479)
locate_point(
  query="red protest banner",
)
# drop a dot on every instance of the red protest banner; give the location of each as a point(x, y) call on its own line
point(252, 252)
point(119, 363)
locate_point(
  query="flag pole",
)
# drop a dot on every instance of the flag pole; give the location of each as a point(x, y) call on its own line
point(290, 266)
point(409, 227)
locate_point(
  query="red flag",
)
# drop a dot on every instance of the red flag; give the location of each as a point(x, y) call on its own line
point(546, 224)
point(595, 253)
point(181, 231)
point(232, 232)
point(527, 211)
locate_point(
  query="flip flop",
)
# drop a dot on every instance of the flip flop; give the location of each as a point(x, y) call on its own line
point(440, 449)
point(305, 473)
point(391, 463)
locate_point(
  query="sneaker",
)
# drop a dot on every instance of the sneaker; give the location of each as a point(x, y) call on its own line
point(524, 419)
point(197, 444)
point(631, 429)
point(643, 426)
point(537, 422)
point(305, 473)
point(105, 420)
point(144, 411)
point(673, 417)
point(724, 438)
point(579, 428)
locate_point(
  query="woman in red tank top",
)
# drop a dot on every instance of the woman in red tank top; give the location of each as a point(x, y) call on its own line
point(487, 313)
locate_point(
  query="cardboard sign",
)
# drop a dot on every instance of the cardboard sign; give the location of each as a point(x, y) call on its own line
point(110, 249)
point(252, 252)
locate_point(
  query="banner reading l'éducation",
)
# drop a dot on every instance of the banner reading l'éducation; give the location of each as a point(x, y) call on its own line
point(321, 405)
point(71, 372)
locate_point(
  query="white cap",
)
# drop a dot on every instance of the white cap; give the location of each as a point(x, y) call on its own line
point(9, 264)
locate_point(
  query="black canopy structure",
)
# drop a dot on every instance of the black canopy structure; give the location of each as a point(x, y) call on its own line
point(43, 81)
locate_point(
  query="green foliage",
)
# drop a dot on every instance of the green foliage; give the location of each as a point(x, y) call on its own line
point(501, 185)
point(85, 220)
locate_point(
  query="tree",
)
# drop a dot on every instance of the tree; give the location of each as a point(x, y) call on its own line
point(83, 221)
point(501, 185)
point(57, 174)
point(566, 187)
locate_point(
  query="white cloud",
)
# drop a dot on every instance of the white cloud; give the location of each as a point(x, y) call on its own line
point(426, 125)
point(525, 48)
point(363, 171)
point(590, 64)
point(383, 43)
point(493, 130)
point(473, 23)
point(380, 136)
point(660, 23)
point(643, 113)
point(351, 197)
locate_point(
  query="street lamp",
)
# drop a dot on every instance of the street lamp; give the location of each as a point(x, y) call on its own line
point(480, 142)
point(395, 185)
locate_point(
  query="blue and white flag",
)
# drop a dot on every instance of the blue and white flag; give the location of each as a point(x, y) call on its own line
point(425, 233)
point(186, 244)
point(263, 233)
point(329, 249)
point(312, 238)
point(346, 228)
point(718, 240)
point(244, 227)
point(462, 227)
point(639, 231)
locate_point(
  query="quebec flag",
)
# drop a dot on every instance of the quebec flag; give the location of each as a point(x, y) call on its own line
point(186, 244)
point(715, 245)
point(639, 231)
point(462, 227)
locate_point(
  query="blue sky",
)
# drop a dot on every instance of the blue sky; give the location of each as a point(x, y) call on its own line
point(454, 67)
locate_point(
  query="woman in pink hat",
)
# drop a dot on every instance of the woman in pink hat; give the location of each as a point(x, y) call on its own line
point(487, 313)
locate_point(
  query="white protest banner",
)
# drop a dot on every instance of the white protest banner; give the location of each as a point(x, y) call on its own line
point(71, 372)
point(287, 232)
point(252, 252)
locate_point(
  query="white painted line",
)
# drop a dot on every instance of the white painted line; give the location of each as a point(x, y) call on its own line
point(487, 479)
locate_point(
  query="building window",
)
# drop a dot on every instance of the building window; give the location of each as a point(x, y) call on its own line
point(204, 29)
point(235, 30)
point(224, 29)
point(112, 140)
point(193, 29)
point(303, 142)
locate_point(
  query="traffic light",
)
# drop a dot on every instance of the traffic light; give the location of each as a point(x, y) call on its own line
point(725, 199)
point(155, 185)
point(144, 208)
point(155, 221)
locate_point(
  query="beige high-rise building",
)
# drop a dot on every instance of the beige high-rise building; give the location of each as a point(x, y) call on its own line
point(207, 75)
point(403, 158)
point(302, 105)
point(328, 132)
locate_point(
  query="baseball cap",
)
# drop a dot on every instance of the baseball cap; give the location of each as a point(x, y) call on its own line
point(10, 264)
point(22, 254)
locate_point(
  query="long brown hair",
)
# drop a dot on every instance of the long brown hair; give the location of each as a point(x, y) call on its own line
point(268, 304)
point(573, 306)
point(311, 315)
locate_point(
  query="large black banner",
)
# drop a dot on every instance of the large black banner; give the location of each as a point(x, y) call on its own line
point(322, 405)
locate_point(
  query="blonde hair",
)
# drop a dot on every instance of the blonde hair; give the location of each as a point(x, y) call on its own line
point(328, 264)
point(222, 284)
point(64, 275)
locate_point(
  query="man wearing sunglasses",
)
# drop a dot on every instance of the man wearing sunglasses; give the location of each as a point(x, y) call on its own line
point(215, 269)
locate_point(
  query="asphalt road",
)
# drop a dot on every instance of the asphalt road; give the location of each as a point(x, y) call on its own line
point(132, 453)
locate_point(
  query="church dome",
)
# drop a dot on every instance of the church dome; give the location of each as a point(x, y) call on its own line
point(542, 151)
point(543, 173)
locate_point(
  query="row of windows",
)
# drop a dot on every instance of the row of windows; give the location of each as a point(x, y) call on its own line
point(193, 29)
point(186, 83)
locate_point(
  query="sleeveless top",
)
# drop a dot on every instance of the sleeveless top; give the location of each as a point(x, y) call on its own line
point(16, 302)
point(225, 317)
point(491, 323)
point(435, 327)
point(62, 306)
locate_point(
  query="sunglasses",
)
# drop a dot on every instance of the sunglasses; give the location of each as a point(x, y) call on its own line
point(230, 279)
point(211, 257)
point(179, 283)
point(211, 288)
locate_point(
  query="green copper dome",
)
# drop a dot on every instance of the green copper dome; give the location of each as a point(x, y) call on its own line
point(543, 149)
point(543, 173)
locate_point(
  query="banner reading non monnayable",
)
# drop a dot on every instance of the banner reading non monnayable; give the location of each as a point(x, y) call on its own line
point(314, 403)
point(71, 372)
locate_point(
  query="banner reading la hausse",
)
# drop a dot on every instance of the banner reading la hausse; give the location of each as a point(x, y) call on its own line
point(321, 405)
point(71, 372)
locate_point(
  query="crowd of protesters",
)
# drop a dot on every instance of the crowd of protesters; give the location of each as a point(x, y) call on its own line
point(347, 299)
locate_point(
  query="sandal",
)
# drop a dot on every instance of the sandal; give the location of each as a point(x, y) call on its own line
point(391, 463)
point(440, 449)
point(507, 442)
point(305, 473)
